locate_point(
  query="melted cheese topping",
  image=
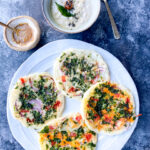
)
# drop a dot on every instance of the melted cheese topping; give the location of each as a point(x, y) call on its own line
point(68, 133)
point(109, 108)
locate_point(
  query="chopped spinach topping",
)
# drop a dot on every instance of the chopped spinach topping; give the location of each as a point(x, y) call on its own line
point(81, 73)
point(45, 130)
point(57, 140)
point(58, 137)
point(37, 117)
point(106, 100)
point(64, 133)
point(91, 145)
point(68, 139)
point(38, 92)
point(92, 132)
point(80, 132)
point(91, 115)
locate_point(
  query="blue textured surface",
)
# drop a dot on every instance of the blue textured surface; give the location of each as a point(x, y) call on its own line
point(133, 50)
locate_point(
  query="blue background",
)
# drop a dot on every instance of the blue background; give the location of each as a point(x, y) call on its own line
point(133, 50)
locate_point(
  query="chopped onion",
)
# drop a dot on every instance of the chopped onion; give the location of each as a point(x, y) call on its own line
point(37, 105)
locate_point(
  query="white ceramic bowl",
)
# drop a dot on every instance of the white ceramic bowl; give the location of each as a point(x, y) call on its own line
point(96, 4)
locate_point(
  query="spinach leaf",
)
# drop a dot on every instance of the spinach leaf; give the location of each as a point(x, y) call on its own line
point(92, 132)
point(64, 133)
point(91, 145)
point(57, 140)
point(80, 132)
point(64, 11)
point(91, 115)
point(45, 130)
point(37, 117)
point(68, 139)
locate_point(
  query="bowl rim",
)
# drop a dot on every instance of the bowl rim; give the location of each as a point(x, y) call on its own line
point(35, 42)
point(64, 31)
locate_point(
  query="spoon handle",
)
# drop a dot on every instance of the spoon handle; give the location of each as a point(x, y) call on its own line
point(113, 24)
point(5, 25)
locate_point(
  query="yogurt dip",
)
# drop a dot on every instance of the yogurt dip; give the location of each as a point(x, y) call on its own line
point(80, 11)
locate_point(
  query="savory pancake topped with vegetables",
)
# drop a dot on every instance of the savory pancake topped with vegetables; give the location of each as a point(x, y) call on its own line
point(76, 70)
point(108, 107)
point(35, 100)
point(68, 133)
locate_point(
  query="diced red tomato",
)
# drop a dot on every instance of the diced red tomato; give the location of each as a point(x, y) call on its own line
point(78, 118)
point(107, 118)
point(88, 105)
point(95, 99)
point(73, 134)
point(69, 4)
point(138, 115)
point(57, 104)
point(117, 95)
point(22, 80)
point(53, 143)
point(48, 107)
point(127, 100)
point(112, 122)
point(88, 136)
point(29, 120)
point(72, 89)
point(92, 81)
point(24, 111)
point(97, 117)
point(51, 127)
point(63, 78)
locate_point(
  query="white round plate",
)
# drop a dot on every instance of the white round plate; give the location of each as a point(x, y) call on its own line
point(41, 61)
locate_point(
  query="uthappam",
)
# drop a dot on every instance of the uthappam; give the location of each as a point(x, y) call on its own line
point(108, 108)
point(35, 100)
point(76, 70)
point(68, 133)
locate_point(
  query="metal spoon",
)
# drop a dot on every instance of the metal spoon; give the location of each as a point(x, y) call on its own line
point(7, 26)
point(113, 24)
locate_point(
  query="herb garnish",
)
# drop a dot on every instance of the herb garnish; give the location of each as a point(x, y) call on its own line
point(45, 130)
point(91, 145)
point(81, 73)
point(64, 11)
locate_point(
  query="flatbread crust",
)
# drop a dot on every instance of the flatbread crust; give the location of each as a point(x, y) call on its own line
point(29, 90)
point(111, 124)
point(76, 70)
point(66, 132)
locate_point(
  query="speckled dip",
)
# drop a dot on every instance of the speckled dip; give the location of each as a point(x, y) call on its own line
point(8, 33)
point(86, 13)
